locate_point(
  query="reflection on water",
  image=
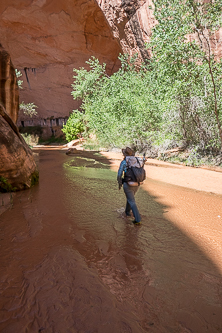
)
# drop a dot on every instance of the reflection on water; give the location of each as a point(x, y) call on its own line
point(71, 262)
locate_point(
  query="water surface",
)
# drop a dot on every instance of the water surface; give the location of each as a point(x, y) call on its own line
point(71, 262)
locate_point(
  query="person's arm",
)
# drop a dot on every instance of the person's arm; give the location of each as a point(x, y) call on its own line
point(144, 159)
point(122, 168)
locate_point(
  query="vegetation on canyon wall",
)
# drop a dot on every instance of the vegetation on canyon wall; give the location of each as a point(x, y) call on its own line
point(175, 99)
point(27, 108)
point(5, 186)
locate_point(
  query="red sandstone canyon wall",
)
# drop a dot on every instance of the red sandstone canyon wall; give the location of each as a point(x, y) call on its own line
point(17, 165)
point(131, 22)
point(47, 39)
point(9, 94)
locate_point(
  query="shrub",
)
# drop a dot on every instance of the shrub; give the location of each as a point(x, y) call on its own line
point(74, 126)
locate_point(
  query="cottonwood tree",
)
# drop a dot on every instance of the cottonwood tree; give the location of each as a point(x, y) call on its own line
point(120, 108)
point(184, 48)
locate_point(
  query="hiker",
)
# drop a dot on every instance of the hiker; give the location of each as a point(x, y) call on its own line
point(130, 185)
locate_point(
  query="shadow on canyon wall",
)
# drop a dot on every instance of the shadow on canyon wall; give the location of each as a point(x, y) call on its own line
point(71, 263)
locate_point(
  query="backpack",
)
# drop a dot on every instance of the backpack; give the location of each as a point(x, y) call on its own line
point(135, 173)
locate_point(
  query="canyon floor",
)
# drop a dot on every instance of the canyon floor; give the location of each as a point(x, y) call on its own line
point(72, 263)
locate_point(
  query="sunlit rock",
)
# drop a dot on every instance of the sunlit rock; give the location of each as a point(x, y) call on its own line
point(17, 166)
point(47, 39)
point(131, 22)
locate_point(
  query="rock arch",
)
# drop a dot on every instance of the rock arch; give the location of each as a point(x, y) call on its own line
point(46, 39)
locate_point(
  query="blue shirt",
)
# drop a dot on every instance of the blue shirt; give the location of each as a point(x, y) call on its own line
point(122, 168)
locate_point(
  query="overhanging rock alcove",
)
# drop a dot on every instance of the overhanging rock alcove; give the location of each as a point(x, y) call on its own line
point(47, 39)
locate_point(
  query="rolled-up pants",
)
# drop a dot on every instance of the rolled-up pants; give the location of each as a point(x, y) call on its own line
point(130, 192)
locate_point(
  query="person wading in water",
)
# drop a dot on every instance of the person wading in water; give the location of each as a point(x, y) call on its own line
point(129, 183)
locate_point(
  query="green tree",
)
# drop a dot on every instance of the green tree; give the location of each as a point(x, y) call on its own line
point(183, 44)
point(118, 109)
point(175, 98)
point(74, 126)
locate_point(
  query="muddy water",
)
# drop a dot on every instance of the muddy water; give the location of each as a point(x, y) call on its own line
point(70, 261)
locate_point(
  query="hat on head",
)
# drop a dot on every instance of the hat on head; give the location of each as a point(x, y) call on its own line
point(128, 152)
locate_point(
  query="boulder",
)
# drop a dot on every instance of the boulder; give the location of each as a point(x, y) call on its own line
point(73, 151)
point(18, 169)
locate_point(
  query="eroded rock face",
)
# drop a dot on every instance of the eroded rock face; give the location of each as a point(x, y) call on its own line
point(131, 22)
point(9, 94)
point(47, 39)
point(17, 165)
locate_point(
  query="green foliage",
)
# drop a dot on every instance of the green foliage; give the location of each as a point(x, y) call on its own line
point(30, 139)
point(186, 66)
point(35, 178)
point(5, 186)
point(20, 82)
point(74, 126)
point(29, 108)
point(175, 99)
point(31, 134)
point(92, 144)
point(87, 82)
point(52, 141)
point(117, 108)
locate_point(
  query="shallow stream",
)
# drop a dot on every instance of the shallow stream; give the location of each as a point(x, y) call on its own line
point(71, 262)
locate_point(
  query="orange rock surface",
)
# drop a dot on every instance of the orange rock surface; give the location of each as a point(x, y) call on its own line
point(47, 39)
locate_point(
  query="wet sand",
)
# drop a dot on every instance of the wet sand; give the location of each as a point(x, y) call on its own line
point(71, 262)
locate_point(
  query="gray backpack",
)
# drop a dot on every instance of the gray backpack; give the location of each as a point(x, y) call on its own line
point(135, 173)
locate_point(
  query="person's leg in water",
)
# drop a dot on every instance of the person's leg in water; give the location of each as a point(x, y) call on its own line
point(130, 192)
